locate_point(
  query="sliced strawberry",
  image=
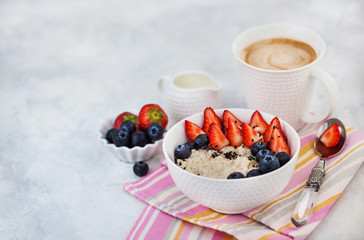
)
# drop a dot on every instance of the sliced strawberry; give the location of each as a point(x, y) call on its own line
point(234, 134)
point(192, 130)
point(250, 135)
point(278, 143)
point(210, 117)
point(217, 139)
point(331, 136)
point(275, 123)
point(226, 115)
point(124, 117)
point(152, 113)
point(257, 122)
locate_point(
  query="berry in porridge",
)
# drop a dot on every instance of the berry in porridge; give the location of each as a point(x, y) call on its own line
point(229, 148)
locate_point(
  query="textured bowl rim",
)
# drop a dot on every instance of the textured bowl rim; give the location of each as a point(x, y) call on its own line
point(255, 178)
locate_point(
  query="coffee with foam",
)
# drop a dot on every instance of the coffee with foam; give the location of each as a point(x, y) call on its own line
point(278, 54)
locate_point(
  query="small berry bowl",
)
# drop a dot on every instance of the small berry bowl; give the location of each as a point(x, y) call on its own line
point(230, 196)
point(125, 154)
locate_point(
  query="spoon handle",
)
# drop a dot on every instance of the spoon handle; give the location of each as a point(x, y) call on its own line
point(302, 211)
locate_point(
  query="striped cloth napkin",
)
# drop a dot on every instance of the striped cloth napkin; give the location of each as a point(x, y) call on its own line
point(171, 215)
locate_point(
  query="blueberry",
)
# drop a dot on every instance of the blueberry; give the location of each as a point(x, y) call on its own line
point(236, 175)
point(182, 151)
point(140, 168)
point(191, 144)
point(201, 141)
point(128, 126)
point(257, 146)
point(253, 172)
point(262, 153)
point(139, 138)
point(269, 163)
point(121, 138)
point(110, 133)
point(155, 132)
point(283, 157)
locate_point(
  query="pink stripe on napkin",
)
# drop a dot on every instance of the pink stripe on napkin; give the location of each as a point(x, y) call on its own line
point(171, 214)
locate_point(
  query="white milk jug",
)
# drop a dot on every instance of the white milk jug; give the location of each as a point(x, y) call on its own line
point(189, 93)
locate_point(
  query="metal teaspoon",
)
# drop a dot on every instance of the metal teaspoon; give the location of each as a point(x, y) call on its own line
point(302, 211)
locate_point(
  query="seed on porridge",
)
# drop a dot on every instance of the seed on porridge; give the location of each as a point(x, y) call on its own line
point(231, 155)
point(251, 157)
point(215, 154)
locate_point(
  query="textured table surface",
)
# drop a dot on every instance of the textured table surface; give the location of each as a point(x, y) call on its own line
point(66, 66)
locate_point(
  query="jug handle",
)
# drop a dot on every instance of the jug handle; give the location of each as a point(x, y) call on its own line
point(161, 83)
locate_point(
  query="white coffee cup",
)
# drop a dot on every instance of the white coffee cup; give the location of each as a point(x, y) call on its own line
point(285, 93)
point(188, 93)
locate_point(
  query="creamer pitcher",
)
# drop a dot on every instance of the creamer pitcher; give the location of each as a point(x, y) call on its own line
point(188, 93)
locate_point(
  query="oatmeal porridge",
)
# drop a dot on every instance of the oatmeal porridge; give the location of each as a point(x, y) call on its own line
point(219, 164)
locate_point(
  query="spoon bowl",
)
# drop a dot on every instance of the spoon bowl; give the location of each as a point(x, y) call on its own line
point(326, 152)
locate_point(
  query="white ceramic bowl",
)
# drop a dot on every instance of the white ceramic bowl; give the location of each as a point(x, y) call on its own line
point(125, 154)
point(230, 195)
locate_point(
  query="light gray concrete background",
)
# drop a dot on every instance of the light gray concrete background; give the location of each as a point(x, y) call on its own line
point(66, 66)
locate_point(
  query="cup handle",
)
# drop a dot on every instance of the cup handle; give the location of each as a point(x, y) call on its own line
point(161, 83)
point(333, 91)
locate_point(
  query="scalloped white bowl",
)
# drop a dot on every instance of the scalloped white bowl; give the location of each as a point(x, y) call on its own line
point(125, 154)
point(230, 196)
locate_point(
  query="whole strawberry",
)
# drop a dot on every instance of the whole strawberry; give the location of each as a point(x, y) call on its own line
point(124, 117)
point(152, 113)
